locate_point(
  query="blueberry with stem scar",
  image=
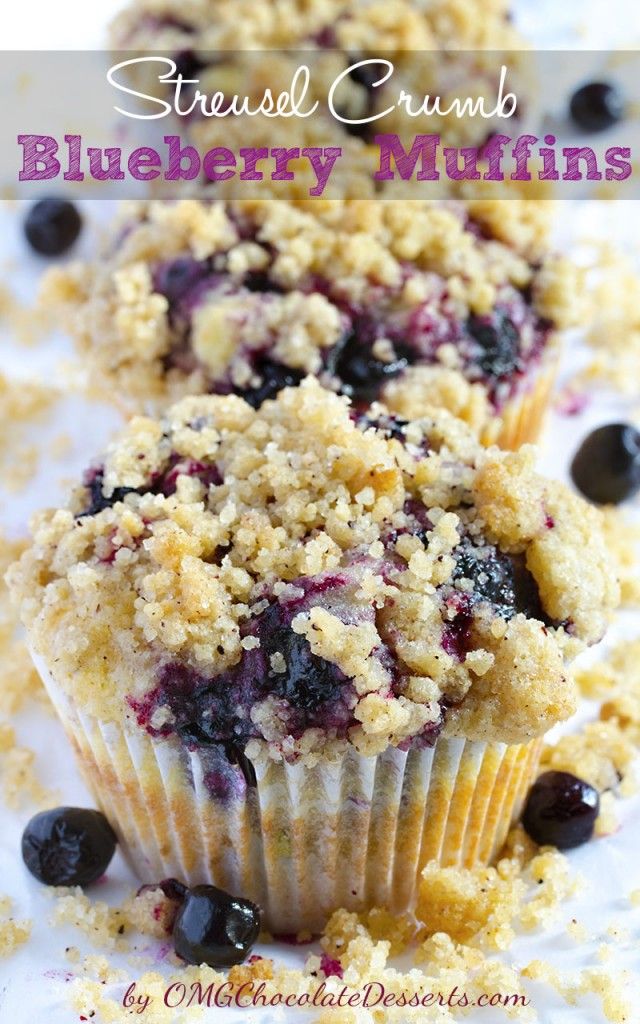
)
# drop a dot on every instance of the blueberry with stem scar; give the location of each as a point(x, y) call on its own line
point(68, 846)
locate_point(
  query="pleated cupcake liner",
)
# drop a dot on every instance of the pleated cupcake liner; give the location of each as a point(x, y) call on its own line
point(302, 842)
point(522, 419)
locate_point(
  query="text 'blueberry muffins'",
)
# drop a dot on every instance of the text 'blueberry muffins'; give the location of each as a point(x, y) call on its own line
point(414, 304)
point(302, 650)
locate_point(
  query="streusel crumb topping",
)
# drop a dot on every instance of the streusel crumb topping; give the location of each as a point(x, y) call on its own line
point(307, 574)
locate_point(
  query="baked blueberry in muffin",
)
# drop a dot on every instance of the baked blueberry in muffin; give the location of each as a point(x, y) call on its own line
point(410, 304)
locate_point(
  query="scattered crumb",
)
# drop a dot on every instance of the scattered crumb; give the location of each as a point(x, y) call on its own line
point(13, 934)
point(477, 903)
point(23, 404)
point(150, 912)
point(19, 681)
point(104, 925)
point(607, 820)
point(618, 932)
point(481, 904)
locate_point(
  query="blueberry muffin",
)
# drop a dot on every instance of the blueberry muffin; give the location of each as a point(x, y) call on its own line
point(413, 304)
point(445, 48)
point(300, 650)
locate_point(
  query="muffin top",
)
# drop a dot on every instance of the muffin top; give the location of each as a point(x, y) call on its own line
point(413, 303)
point(443, 48)
point(312, 576)
point(364, 24)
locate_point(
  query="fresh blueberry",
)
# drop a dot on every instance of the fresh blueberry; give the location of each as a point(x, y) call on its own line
point(498, 342)
point(596, 106)
point(606, 466)
point(275, 377)
point(215, 928)
point(52, 226)
point(501, 579)
point(68, 846)
point(362, 373)
point(561, 810)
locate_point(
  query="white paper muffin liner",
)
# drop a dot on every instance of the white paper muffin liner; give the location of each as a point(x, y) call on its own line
point(304, 841)
point(522, 419)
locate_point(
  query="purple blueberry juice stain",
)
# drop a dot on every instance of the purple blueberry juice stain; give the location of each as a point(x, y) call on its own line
point(55, 974)
point(571, 403)
point(331, 968)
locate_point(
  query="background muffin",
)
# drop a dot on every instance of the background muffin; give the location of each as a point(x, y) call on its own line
point(417, 304)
